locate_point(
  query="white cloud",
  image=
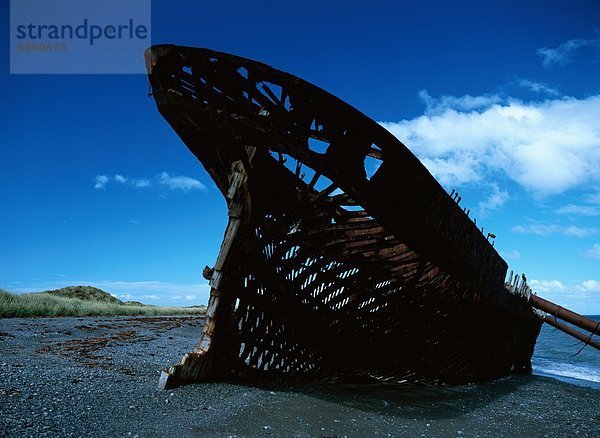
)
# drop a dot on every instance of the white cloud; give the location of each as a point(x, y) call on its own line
point(593, 252)
point(454, 172)
point(150, 297)
point(140, 183)
point(565, 53)
point(593, 198)
point(538, 87)
point(546, 286)
point(463, 103)
point(513, 255)
point(578, 210)
point(151, 287)
point(539, 229)
point(578, 296)
point(180, 182)
point(589, 286)
point(572, 230)
point(542, 229)
point(172, 182)
point(100, 181)
point(496, 200)
point(547, 147)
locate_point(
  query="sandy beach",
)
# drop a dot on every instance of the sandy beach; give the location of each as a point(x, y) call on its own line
point(98, 376)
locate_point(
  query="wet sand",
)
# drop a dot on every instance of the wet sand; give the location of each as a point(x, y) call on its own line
point(97, 377)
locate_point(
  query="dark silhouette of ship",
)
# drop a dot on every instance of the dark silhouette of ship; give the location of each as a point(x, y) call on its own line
point(343, 258)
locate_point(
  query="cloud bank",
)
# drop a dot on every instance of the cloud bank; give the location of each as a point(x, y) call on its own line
point(573, 295)
point(546, 147)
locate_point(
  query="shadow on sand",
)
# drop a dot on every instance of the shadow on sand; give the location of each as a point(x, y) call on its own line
point(404, 400)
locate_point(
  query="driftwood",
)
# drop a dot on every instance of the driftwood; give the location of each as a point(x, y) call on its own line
point(343, 258)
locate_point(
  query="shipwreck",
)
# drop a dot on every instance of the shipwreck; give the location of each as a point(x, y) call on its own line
point(343, 260)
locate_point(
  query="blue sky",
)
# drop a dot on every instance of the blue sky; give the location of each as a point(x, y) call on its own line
point(500, 100)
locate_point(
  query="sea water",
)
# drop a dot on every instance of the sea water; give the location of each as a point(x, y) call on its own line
point(560, 356)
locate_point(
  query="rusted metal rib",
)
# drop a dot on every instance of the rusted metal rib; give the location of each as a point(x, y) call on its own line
point(586, 339)
point(565, 314)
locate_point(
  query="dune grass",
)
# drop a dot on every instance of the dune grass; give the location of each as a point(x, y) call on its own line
point(45, 304)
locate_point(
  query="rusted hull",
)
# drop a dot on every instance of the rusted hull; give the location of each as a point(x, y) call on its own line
point(343, 258)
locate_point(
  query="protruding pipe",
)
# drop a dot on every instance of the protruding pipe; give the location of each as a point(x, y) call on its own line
point(571, 331)
point(565, 314)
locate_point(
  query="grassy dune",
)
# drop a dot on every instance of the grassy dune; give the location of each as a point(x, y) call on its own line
point(87, 293)
point(76, 301)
